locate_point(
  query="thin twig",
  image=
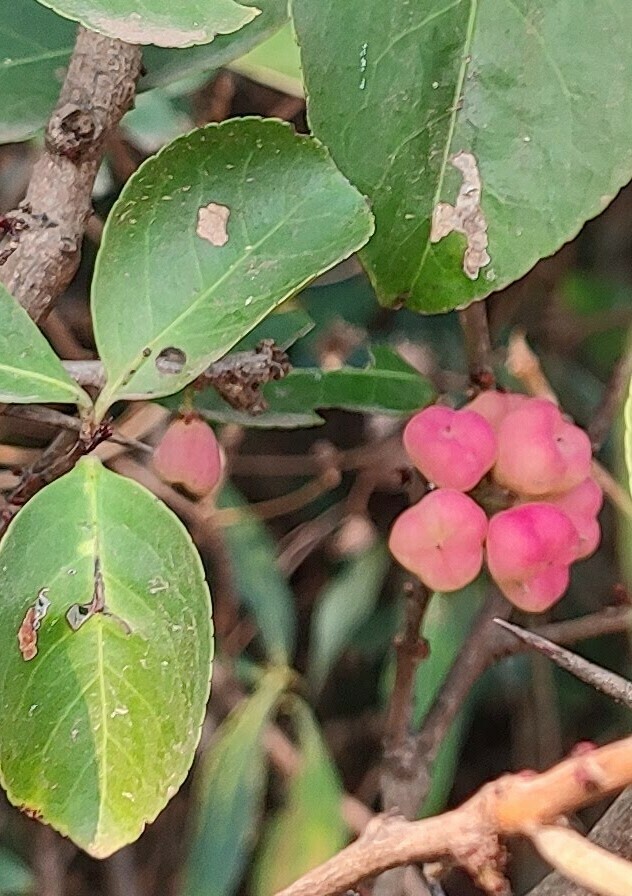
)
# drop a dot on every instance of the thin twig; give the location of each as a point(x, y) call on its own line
point(470, 835)
point(478, 347)
point(603, 680)
point(611, 401)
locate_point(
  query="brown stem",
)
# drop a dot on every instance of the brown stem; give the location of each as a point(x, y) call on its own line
point(98, 89)
point(610, 404)
point(612, 832)
point(478, 347)
point(471, 834)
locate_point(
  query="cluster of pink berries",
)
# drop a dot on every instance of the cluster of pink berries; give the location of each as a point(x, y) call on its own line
point(513, 450)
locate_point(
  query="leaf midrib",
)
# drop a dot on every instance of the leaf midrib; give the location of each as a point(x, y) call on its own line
point(465, 61)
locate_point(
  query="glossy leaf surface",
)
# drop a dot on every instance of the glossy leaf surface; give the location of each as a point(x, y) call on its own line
point(160, 22)
point(209, 236)
point(535, 93)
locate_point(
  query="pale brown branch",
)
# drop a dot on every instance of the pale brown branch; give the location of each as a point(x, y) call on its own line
point(98, 89)
point(469, 835)
point(478, 347)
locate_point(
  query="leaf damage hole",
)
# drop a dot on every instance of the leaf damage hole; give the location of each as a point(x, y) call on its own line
point(78, 614)
point(171, 361)
point(27, 633)
point(465, 216)
point(212, 223)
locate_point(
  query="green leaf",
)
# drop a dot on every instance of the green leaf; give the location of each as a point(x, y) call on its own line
point(16, 878)
point(100, 727)
point(259, 583)
point(387, 386)
point(310, 828)
point(158, 22)
point(275, 63)
point(285, 327)
point(30, 371)
point(345, 604)
point(231, 786)
point(167, 65)
point(36, 43)
point(209, 236)
point(537, 92)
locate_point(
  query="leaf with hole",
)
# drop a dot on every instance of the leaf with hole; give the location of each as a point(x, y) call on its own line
point(102, 717)
point(158, 22)
point(386, 386)
point(30, 371)
point(423, 105)
point(230, 789)
point(210, 236)
point(309, 829)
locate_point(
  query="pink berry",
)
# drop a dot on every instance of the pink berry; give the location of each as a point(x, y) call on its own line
point(539, 452)
point(189, 455)
point(440, 539)
point(529, 551)
point(582, 505)
point(494, 406)
point(453, 449)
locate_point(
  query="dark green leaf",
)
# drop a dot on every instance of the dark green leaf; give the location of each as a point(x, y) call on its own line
point(260, 585)
point(345, 604)
point(160, 22)
point(309, 829)
point(30, 371)
point(388, 386)
point(100, 726)
point(230, 790)
point(209, 236)
point(536, 92)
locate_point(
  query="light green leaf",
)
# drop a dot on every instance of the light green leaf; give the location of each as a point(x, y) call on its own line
point(387, 386)
point(209, 236)
point(231, 785)
point(342, 608)
point(100, 726)
point(537, 93)
point(309, 829)
point(166, 65)
point(258, 580)
point(36, 43)
point(275, 63)
point(30, 371)
point(158, 22)
point(16, 878)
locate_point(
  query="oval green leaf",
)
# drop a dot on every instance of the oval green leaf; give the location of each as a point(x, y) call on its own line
point(309, 829)
point(101, 724)
point(386, 386)
point(159, 22)
point(208, 237)
point(535, 93)
point(231, 786)
point(30, 371)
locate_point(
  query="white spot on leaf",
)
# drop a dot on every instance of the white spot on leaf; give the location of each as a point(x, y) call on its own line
point(212, 223)
point(465, 216)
